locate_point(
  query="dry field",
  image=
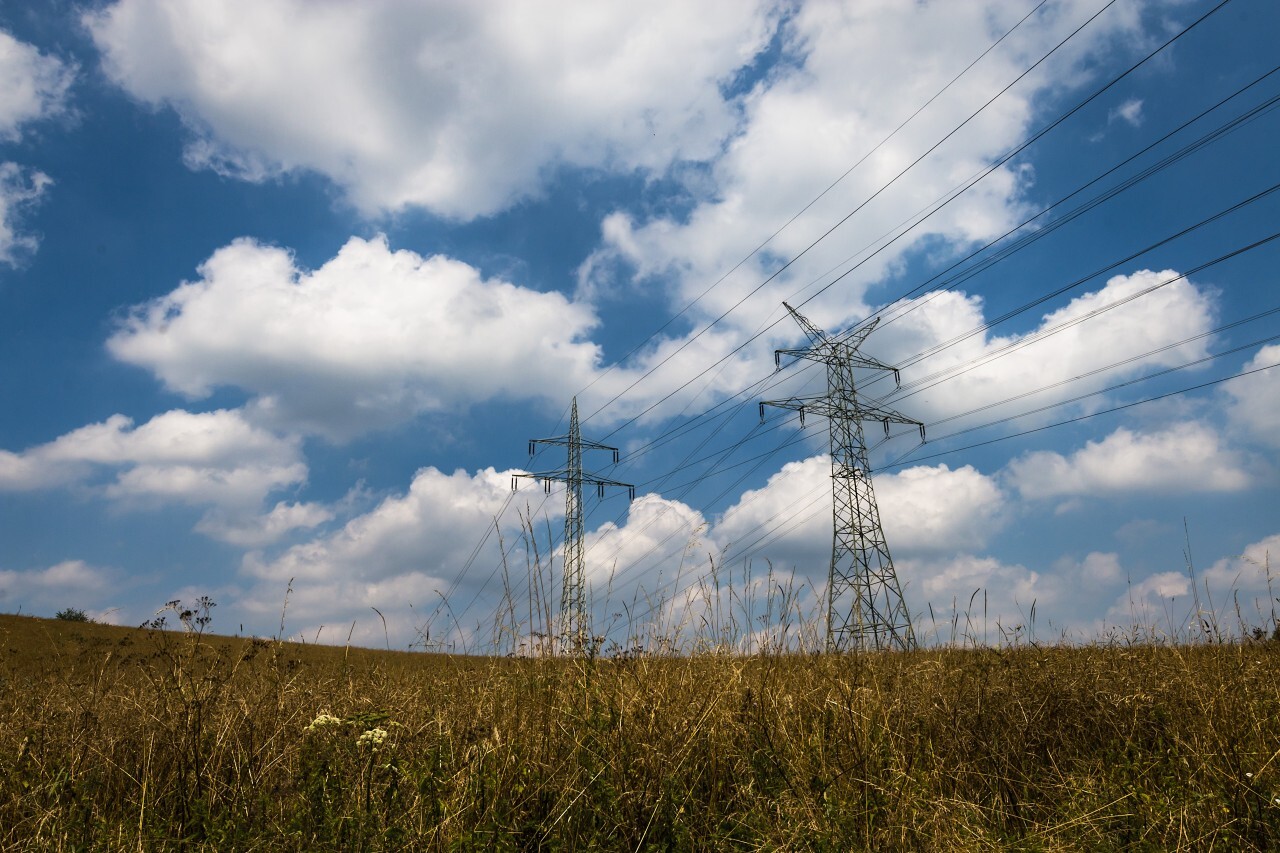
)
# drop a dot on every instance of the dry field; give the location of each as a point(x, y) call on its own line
point(134, 739)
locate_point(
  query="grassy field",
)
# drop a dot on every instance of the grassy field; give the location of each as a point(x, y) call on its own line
point(137, 739)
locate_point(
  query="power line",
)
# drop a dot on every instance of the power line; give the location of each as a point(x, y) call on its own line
point(816, 199)
point(1198, 144)
point(794, 516)
point(1198, 268)
point(1085, 417)
point(950, 198)
point(947, 281)
point(936, 378)
point(770, 326)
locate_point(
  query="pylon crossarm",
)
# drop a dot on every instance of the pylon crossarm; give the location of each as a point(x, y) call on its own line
point(541, 475)
point(796, 403)
point(877, 413)
point(802, 405)
point(860, 360)
point(821, 406)
point(563, 476)
point(806, 353)
point(564, 440)
point(831, 356)
point(600, 483)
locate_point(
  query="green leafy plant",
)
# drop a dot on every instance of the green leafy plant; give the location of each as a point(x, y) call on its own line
point(72, 614)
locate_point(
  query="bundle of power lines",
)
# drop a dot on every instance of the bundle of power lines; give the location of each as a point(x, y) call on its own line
point(730, 462)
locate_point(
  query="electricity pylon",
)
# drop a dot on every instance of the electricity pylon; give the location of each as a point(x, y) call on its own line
point(865, 609)
point(574, 624)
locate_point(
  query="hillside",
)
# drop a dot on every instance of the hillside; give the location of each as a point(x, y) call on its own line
point(114, 738)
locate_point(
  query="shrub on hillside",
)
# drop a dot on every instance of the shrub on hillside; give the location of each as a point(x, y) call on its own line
point(72, 614)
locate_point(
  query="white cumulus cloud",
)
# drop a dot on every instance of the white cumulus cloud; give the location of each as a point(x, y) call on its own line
point(431, 528)
point(660, 538)
point(972, 598)
point(71, 583)
point(194, 458)
point(371, 338)
point(967, 597)
point(1250, 579)
point(924, 510)
point(459, 108)
point(1156, 606)
point(256, 531)
point(1089, 333)
point(844, 91)
point(1188, 457)
point(411, 549)
point(1130, 112)
point(33, 87)
point(936, 508)
point(1255, 399)
point(20, 187)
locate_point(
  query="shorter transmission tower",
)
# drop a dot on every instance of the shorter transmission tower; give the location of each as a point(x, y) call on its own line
point(574, 624)
point(865, 608)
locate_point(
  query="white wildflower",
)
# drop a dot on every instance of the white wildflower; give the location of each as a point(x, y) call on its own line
point(372, 738)
point(324, 720)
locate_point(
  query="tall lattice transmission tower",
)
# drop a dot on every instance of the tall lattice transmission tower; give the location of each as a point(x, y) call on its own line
point(574, 623)
point(865, 608)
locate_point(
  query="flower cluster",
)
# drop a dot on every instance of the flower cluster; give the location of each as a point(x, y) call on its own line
point(324, 720)
point(372, 738)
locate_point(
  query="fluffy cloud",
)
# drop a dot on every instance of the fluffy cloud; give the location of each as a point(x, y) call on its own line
point(968, 597)
point(930, 509)
point(1255, 399)
point(370, 338)
point(410, 549)
point(926, 511)
point(206, 458)
point(432, 528)
point(461, 108)
point(32, 87)
point(790, 516)
point(19, 188)
point(1188, 457)
point(1099, 569)
point(248, 84)
point(256, 531)
point(968, 366)
point(1250, 579)
point(806, 123)
point(844, 90)
point(72, 583)
point(1156, 606)
point(1237, 594)
point(659, 538)
point(971, 598)
point(1092, 331)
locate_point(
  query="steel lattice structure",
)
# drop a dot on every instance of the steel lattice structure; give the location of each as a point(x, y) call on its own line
point(574, 624)
point(865, 608)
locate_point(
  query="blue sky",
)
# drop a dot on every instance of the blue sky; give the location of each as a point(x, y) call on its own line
point(286, 287)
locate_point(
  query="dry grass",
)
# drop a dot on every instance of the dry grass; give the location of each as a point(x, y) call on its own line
point(132, 739)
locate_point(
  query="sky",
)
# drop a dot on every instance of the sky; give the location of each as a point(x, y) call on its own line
point(287, 287)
